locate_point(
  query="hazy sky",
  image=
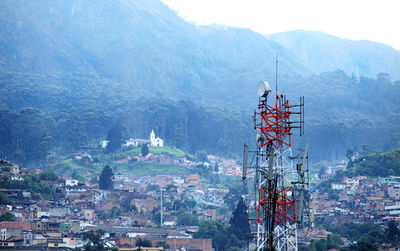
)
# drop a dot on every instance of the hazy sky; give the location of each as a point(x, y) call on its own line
point(377, 20)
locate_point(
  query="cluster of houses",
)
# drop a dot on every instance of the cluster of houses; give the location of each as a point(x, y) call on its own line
point(126, 212)
point(361, 199)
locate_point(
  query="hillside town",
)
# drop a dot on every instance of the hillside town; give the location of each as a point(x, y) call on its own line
point(41, 210)
point(150, 207)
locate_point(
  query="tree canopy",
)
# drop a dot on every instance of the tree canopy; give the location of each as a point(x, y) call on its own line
point(143, 242)
point(239, 222)
point(144, 150)
point(7, 216)
point(105, 180)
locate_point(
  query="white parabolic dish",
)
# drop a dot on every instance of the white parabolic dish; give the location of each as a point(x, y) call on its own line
point(263, 89)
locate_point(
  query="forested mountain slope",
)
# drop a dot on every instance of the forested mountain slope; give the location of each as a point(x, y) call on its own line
point(71, 70)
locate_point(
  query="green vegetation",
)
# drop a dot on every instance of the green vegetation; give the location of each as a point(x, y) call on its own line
point(153, 187)
point(170, 150)
point(114, 137)
point(114, 213)
point(368, 236)
point(58, 107)
point(153, 169)
point(82, 123)
point(186, 219)
point(222, 237)
point(163, 244)
point(73, 166)
point(48, 175)
point(95, 241)
point(374, 164)
point(7, 216)
point(239, 222)
point(3, 198)
point(105, 179)
point(143, 242)
point(365, 232)
point(333, 241)
point(235, 195)
point(144, 150)
point(31, 182)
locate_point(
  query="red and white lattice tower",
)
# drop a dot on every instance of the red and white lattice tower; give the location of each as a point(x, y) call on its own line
point(276, 205)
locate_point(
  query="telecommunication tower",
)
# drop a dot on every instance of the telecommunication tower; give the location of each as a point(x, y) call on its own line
point(278, 182)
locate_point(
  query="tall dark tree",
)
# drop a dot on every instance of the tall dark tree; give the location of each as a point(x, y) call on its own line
point(349, 154)
point(216, 168)
point(144, 150)
point(239, 221)
point(392, 232)
point(114, 137)
point(105, 180)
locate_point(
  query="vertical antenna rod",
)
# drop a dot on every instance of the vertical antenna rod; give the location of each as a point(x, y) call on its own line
point(276, 74)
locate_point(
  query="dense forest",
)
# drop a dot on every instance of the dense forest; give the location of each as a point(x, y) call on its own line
point(40, 119)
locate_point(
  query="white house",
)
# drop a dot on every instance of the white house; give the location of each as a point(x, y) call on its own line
point(104, 143)
point(71, 182)
point(155, 141)
point(338, 186)
point(136, 142)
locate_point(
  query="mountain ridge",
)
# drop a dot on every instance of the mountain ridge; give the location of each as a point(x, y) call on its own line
point(324, 52)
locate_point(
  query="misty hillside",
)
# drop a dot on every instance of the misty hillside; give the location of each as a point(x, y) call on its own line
point(71, 70)
point(322, 52)
point(141, 43)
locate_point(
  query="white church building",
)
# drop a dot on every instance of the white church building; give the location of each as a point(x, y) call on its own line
point(155, 141)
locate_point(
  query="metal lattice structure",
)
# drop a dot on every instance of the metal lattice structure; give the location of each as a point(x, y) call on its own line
point(277, 181)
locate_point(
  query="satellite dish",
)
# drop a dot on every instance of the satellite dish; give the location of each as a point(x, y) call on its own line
point(263, 89)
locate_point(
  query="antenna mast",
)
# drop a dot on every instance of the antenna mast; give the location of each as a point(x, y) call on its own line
point(277, 179)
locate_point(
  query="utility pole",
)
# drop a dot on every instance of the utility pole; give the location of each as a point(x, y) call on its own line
point(161, 209)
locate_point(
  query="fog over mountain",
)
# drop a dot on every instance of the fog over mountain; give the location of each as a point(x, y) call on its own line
point(323, 52)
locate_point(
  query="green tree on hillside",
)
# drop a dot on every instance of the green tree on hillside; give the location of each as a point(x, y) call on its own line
point(185, 219)
point(96, 241)
point(239, 221)
point(233, 196)
point(114, 137)
point(105, 180)
point(7, 216)
point(143, 242)
point(392, 232)
point(3, 198)
point(144, 150)
point(48, 175)
point(207, 229)
point(163, 244)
